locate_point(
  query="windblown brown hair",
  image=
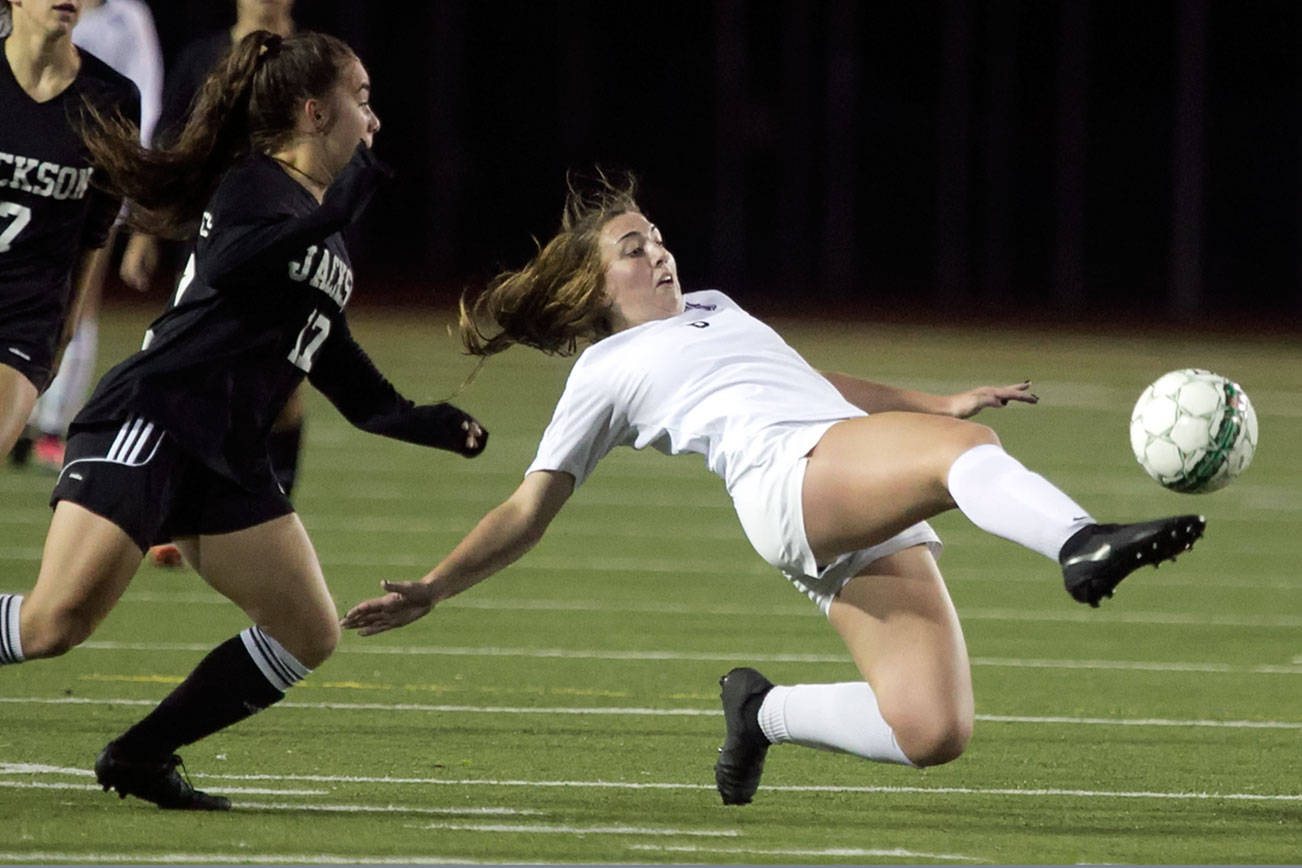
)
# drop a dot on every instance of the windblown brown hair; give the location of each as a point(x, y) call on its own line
point(249, 102)
point(557, 300)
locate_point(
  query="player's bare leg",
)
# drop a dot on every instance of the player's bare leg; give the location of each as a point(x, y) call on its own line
point(86, 565)
point(904, 635)
point(17, 398)
point(872, 477)
point(271, 571)
point(869, 478)
point(914, 706)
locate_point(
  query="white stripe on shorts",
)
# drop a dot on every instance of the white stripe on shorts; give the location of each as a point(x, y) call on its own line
point(132, 439)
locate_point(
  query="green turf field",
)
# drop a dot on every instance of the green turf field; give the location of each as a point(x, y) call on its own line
point(566, 710)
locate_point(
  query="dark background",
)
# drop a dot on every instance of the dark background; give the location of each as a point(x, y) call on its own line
point(1100, 160)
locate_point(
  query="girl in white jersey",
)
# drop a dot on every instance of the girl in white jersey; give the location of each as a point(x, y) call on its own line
point(832, 477)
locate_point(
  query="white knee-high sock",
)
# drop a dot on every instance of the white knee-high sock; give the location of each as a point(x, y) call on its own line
point(11, 646)
point(999, 495)
point(61, 401)
point(837, 717)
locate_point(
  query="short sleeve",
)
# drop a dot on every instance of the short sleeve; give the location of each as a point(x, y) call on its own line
point(585, 426)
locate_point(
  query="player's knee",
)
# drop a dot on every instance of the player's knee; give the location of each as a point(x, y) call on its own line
point(975, 434)
point(54, 632)
point(934, 739)
point(318, 644)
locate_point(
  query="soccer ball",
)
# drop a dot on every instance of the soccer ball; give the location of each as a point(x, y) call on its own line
point(1193, 431)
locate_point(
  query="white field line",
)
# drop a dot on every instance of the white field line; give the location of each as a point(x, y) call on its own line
point(617, 711)
point(795, 788)
point(1156, 619)
point(68, 857)
point(389, 809)
point(839, 852)
point(548, 829)
point(726, 657)
point(41, 785)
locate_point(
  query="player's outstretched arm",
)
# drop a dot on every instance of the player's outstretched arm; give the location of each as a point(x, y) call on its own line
point(501, 537)
point(878, 398)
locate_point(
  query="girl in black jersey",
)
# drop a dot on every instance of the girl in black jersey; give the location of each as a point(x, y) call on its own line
point(274, 162)
point(53, 217)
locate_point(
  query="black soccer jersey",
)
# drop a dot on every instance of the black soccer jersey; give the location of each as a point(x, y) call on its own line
point(259, 307)
point(50, 209)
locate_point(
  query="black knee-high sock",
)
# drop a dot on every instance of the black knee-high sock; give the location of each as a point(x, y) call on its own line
point(226, 687)
point(282, 449)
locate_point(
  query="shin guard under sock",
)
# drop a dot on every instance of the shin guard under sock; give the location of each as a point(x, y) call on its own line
point(238, 678)
point(837, 717)
point(999, 495)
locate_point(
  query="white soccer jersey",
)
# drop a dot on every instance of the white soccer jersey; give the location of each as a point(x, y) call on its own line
point(712, 380)
point(121, 33)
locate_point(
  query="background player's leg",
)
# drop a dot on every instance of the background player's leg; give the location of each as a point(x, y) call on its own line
point(67, 393)
point(17, 397)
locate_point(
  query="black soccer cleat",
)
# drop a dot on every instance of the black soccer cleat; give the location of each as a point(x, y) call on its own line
point(154, 781)
point(1096, 558)
point(741, 759)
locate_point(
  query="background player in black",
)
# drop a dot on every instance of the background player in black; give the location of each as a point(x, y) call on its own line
point(173, 442)
point(121, 33)
point(53, 218)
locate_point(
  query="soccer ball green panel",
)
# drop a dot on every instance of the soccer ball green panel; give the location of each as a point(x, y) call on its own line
point(1193, 431)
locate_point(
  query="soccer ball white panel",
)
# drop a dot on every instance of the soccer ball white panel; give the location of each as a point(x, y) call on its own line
point(1193, 431)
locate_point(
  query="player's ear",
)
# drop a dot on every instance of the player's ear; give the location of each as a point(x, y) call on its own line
point(314, 114)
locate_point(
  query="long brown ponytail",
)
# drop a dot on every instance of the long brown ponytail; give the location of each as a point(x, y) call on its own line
point(249, 102)
point(557, 300)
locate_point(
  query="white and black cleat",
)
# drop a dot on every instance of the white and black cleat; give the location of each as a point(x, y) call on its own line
point(1096, 558)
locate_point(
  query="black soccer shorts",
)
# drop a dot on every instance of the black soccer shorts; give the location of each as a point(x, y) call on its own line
point(138, 477)
point(28, 345)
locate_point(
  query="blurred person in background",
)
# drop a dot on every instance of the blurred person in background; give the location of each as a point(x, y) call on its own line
point(273, 163)
point(121, 33)
point(832, 477)
point(55, 217)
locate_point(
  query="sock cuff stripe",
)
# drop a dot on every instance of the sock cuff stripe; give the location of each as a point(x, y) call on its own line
point(276, 664)
point(11, 649)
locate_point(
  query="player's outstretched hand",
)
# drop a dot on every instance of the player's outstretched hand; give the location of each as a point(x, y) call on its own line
point(405, 602)
point(973, 401)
